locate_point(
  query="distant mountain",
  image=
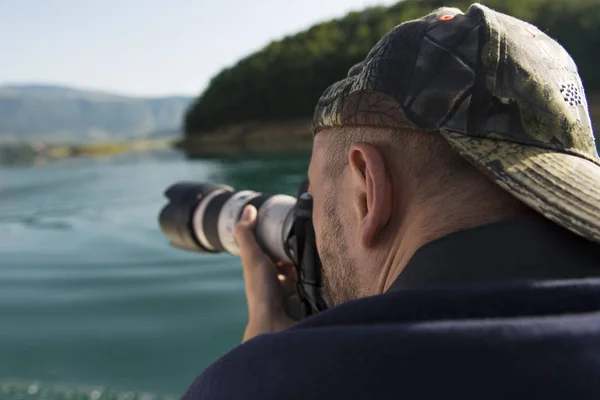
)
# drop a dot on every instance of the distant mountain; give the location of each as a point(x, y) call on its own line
point(56, 114)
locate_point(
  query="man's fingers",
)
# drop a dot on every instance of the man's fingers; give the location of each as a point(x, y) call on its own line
point(263, 289)
point(250, 250)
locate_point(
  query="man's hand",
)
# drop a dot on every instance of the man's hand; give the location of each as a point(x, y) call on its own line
point(267, 284)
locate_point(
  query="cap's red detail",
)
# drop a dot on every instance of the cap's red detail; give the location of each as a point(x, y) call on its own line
point(446, 17)
point(532, 31)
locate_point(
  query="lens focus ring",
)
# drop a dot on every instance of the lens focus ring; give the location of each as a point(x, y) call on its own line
point(230, 214)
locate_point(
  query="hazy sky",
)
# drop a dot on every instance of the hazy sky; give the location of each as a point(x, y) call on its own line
point(149, 47)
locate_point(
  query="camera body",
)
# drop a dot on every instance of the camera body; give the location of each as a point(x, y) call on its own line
point(201, 217)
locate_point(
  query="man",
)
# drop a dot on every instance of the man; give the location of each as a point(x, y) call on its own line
point(456, 191)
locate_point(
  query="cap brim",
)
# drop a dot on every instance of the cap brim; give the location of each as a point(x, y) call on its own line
point(562, 187)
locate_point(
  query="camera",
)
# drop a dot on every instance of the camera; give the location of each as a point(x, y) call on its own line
point(201, 217)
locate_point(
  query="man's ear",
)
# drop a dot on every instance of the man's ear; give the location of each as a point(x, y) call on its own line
point(371, 191)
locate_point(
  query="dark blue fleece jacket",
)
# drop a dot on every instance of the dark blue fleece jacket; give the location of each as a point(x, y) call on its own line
point(506, 311)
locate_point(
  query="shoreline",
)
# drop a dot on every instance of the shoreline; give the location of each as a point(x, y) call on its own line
point(32, 153)
point(250, 138)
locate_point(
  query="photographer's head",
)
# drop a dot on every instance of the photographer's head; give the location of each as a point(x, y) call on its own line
point(452, 121)
point(381, 193)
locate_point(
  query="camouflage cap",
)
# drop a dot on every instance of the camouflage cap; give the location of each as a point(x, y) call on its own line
point(504, 94)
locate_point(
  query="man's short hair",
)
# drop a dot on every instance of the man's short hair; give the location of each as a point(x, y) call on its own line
point(426, 155)
point(436, 170)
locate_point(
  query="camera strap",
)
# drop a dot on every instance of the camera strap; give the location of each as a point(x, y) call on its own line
point(309, 284)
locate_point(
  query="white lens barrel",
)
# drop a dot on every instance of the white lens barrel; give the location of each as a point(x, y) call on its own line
point(198, 219)
point(215, 217)
point(230, 214)
point(275, 219)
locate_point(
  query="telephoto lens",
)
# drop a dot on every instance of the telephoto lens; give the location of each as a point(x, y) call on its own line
point(201, 217)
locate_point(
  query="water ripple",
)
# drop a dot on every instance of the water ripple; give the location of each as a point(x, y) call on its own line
point(17, 389)
point(90, 290)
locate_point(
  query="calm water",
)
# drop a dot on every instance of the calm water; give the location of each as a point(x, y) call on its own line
point(92, 298)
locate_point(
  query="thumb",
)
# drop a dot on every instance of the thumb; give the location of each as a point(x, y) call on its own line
point(250, 251)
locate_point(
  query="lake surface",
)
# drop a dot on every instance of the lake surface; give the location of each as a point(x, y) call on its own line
point(93, 301)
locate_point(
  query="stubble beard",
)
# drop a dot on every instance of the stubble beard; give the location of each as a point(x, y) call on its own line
point(339, 270)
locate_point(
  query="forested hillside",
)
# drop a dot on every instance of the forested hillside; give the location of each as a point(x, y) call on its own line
point(284, 80)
